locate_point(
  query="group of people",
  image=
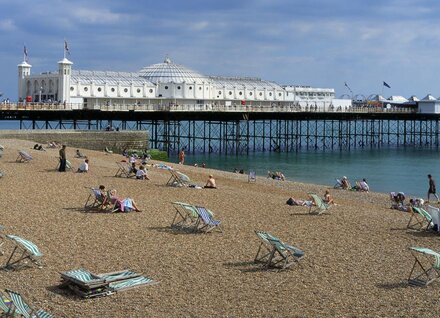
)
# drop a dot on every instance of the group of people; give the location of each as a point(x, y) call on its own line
point(328, 199)
point(277, 175)
point(121, 205)
point(345, 184)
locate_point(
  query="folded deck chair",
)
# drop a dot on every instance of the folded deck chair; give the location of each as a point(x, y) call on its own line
point(277, 254)
point(320, 206)
point(429, 271)
point(205, 222)
point(85, 284)
point(23, 156)
point(131, 283)
point(186, 215)
point(252, 177)
point(178, 179)
point(21, 307)
point(124, 170)
point(419, 220)
point(28, 251)
point(68, 164)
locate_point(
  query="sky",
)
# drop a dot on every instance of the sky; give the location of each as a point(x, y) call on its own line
point(321, 43)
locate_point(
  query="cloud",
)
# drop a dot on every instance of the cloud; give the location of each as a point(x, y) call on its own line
point(7, 25)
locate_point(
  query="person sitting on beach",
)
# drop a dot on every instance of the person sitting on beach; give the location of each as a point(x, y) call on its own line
point(105, 196)
point(39, 147)
point(133, 168)
point(132, 159)
point(299, 202)
point(277, 175)
point(345, 184)
point(328, 198)
point(141, 173)
point(84, 166)
point(398, 201)
point(123, 205)
point(235, 170)
point(79, 154)
point(210, 184)
point(362, 186)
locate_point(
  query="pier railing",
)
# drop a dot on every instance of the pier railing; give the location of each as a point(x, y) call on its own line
point(201, 108)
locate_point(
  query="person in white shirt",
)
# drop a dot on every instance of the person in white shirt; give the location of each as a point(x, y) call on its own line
point(84, 166)
point(142, 173)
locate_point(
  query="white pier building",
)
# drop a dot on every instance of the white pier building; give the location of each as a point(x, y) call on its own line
point(166, 85)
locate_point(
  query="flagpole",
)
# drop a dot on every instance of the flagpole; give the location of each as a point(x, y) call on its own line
point(64, 48)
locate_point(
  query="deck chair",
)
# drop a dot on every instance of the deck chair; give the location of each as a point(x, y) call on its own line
point(419, 220)
point(205, 222)
point(96, 201)
point(21, 307)
point(252, 177)
point(29, 251)
point(435, 215)
point(108, 151)
point(178, 179)
point(6, 307)
point(84, 283)
point(124, 170)
point(68, 164)
point(186, 215)
point(320, 206)
point(23, 156)
point(429, 271)
point(2, 240)
point(338, 184)
point(277, 254)
point(131, 283)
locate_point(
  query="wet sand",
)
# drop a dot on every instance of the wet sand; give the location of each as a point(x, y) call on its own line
point(356, 259)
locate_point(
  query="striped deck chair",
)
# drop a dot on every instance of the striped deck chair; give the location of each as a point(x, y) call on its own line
point(28, 250)
point(178, 179)
point(124, 170)
point(85, 284)
point(419, 220)
point(131, 283)
point(428, 271)
point(23, 156)
point(338, 184)
point(96, 201)
point(6, 307)
point(69, 165)
point(186, 215)
point(205, 222)
point(319, 206)
point(21, 307)
point(252, 177)
point(2, 240)
point(276, 252)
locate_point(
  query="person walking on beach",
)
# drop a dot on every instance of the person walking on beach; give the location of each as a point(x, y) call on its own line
point(182, 156)
point(432, 189)
point(62, 153)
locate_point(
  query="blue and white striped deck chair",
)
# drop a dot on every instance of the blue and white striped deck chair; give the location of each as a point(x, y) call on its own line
point(22, 308)
point(96, 201)
point(319, 206)
point(119, 275)
point(178, 179)
point(85, 284)
point(429, 271)
point(283, 254)
point(338, 184)
point(419, 220)
point(205, 221)
point(131, 283)
point(23, 156)
point(186, 215)
point(28, 251)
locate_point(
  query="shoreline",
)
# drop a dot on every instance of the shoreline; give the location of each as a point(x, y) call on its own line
point(356, 259)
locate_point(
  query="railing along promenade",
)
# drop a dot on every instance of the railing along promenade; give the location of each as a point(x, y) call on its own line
point(201, 108)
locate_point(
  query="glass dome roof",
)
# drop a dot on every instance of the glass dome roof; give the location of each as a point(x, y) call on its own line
point(167, 72)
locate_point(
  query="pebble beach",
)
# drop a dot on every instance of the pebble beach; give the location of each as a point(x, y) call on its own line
point(356, 261)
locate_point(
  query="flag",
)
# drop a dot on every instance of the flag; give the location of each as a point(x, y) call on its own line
point(25, 51)
point(66, 47)
point(386, 85)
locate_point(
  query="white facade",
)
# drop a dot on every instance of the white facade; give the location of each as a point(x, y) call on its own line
point(164, 83)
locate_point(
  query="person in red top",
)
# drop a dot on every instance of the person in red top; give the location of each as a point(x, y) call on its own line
point(182, 156)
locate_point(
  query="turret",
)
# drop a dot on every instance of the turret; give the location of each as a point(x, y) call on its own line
point(64, 73)
point(24, 71)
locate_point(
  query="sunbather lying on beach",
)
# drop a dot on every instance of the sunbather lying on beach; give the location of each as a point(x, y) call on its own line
point(123, 205)
point(277, 175)
point(299, 202)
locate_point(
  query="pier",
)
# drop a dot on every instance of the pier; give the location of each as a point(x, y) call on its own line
point(242, 129)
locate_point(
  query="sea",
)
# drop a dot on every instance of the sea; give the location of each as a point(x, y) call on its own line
point(396, 169)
